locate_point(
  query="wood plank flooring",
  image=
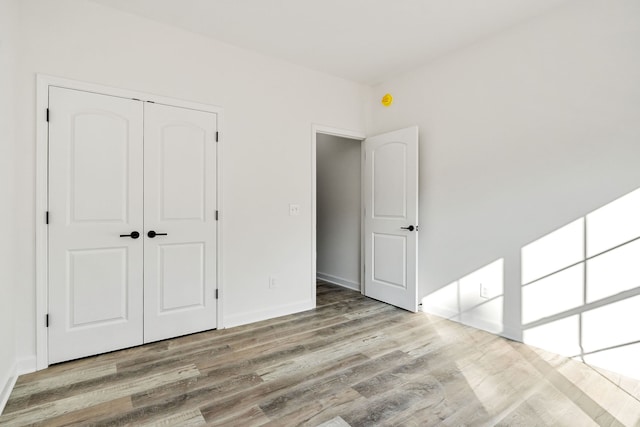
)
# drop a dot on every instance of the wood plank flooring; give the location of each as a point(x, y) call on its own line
point(350, 362)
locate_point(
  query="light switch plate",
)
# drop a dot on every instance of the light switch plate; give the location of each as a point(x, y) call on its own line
point(294, 210)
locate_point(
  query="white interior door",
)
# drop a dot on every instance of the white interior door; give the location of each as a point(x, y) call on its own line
point(95, 196)
point(391, 215)
point(113, 183)
point(180, 207)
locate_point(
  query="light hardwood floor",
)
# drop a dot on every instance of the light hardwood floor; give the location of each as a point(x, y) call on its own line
point(352, 361)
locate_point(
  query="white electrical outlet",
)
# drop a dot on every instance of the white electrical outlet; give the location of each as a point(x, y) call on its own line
point(273, 282)
point(484, 291)
point(294, 210)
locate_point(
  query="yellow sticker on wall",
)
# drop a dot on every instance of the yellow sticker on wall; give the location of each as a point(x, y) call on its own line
point(387, 99)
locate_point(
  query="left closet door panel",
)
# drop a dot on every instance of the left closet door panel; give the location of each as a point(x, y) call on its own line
point(95, 205)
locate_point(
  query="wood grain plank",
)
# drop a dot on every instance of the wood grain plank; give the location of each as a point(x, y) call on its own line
point(249, 417)
point(111, 392)
point(326, 385)
point(89, 415)
point(189, 418)
point(232, 403)
point(319, 409)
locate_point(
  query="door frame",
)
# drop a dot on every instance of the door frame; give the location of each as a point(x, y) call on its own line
point(43, 82)
point(342, 133)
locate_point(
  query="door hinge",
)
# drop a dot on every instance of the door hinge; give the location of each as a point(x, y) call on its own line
point(217, 136)
point(46, 320)
point(216, 294)
point(47, 114)
point(46, 218)
point(216, 215)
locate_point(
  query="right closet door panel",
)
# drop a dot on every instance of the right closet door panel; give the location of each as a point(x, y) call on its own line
point(180, 221)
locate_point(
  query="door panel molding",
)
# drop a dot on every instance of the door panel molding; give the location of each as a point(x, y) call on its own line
point(390, 194)
point(179, 267)
point(43, 83)
point(95, 276)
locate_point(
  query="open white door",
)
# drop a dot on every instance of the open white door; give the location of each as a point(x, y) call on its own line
point(95, 206)
point(390, 218)
point(180, 221)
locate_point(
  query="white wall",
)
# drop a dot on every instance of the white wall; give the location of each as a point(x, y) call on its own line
point(520, 134)
point(269, 107)
point(8, 274)
point(338, 210)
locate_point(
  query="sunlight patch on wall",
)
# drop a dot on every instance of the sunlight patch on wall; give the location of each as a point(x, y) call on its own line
point(611, 337)
point(613, 272)
point(553, 294)
point(560, 336)
point(443, 302)
point(611, 325)
point(614, 224)
point(621, 359)
point(476, 299)
point(553, 252)
point(581, 288)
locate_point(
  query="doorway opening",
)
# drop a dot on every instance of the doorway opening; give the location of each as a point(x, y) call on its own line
point(388, 214)
point(338, 193)
point(338, 208)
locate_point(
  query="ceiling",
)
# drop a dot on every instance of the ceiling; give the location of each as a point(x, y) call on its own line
point(367, 41)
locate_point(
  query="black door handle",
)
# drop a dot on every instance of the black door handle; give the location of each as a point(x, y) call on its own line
point(133, 235)
point(410, 228)
point(153, 234)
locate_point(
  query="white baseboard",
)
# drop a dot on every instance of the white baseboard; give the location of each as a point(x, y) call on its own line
point(475, 322)
point(269, 313)
point(441, 312)
point(20, 367)
point(345, 283)
point(26, 365)
point(512, 334)
point(483, 324)
point(7, 386)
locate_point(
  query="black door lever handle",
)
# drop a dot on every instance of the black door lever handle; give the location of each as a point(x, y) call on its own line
point(133, 235)
point(153, 234)
point(410, 228)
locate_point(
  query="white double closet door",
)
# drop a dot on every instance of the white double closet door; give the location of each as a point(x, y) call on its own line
point(121, 170)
